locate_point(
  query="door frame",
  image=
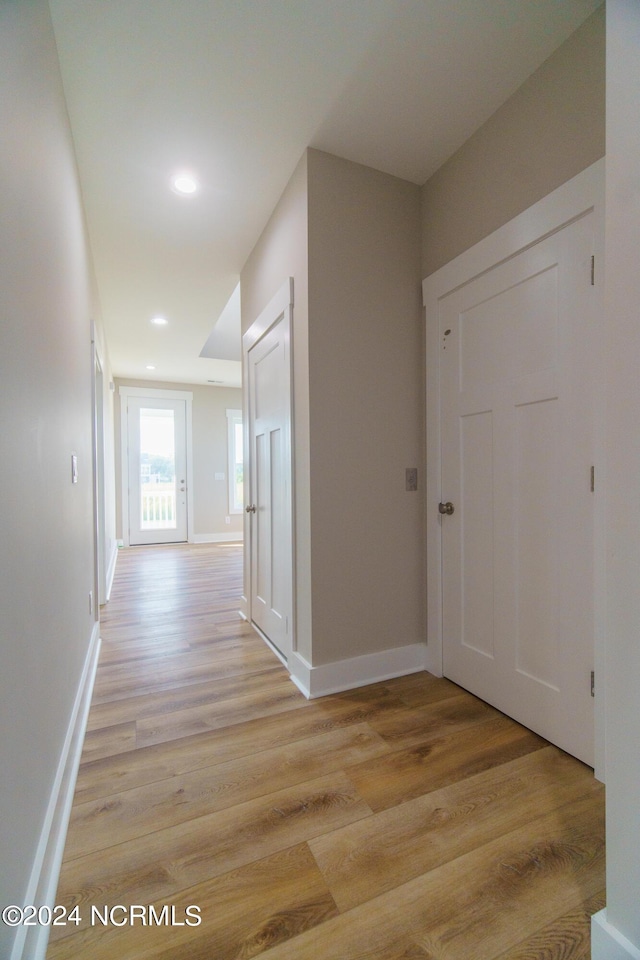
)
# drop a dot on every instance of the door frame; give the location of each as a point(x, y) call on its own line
point(568, 202)
point(280, 307)
point(101, 560)
point(153, 394)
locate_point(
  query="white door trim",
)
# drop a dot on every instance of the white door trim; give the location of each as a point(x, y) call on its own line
point(156, 394)
point(99, 500)
point(582, 193)
point(280, 307)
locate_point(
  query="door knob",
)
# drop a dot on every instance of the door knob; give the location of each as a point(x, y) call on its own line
point(251, 508)
point(446, 508)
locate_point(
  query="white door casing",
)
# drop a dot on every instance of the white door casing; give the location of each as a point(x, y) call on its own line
point(178, 405)
point(513, 596)
point(269, 567)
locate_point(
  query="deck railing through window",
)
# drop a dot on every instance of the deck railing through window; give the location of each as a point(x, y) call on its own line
point(158, 509)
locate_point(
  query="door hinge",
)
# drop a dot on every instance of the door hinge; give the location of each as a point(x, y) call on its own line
point(593, 271)
point(593, 479)
point(593, 683)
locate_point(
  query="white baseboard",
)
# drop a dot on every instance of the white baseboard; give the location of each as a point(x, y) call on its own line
point(31, 942)
point(357, 672)
point(607, 943)
point(111, 569)
point(216, 538)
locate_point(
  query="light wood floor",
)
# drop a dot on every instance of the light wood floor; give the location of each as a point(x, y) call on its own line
point(402, 821)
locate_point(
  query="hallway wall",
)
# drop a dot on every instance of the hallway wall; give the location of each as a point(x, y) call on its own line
point(350, 238)
point(550, 129)
point(47, 564)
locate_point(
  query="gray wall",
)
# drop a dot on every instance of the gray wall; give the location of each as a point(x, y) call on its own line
point(366, 403)
point(210, 496)
point(548, 131)
point(350, 237)
point(282, 252)
point(45, 371)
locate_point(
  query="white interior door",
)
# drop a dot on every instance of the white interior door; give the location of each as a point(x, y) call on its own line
point(157, 470)
point(516, 349)
point(270, 502)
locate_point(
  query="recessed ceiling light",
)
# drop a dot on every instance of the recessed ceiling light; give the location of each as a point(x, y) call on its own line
point(150, 366)
point(184, 183)
point(159, 321)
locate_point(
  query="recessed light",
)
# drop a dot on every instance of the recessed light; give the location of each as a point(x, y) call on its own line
point(159, 321)
point(150, 366)
point(184, 183)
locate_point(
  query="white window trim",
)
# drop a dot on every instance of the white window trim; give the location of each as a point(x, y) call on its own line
point(233, 417)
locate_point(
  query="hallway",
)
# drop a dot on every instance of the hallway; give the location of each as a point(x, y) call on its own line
point(403, 820)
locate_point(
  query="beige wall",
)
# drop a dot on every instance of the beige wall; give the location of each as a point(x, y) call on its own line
point(358, 400)
point(282, 252)
point(45, 370)
point(546, 133)
point(366, 409)
point(210, 496)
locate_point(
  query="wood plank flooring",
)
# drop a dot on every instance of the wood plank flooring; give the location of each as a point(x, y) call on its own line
point(402, 821)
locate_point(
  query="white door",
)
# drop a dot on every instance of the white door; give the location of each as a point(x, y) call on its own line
point(157, 465)
point(270, 506)
point(516, 349)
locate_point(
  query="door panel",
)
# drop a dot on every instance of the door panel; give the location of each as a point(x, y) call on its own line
point(270, 446)
point(517, 447)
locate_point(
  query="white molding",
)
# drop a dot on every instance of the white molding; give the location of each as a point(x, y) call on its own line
point(607, 943)
point(154, 393)
point(356, 672)
point(216, 538)
point(570, 201)
point(234, 416)
point(111, 569)
point(279, 304)
point(31, 942)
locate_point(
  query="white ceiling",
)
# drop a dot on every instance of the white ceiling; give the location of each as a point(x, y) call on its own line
point(236, 90)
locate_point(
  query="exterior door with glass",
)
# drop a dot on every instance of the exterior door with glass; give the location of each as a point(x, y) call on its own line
point(157, 470)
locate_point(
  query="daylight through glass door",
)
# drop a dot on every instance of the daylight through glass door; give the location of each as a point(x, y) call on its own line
point(157, 469)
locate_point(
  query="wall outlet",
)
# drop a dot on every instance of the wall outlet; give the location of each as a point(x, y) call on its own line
point(227, 519)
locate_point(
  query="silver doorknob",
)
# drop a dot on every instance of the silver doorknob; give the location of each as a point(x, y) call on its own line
point(251, 508)
point(446, 508)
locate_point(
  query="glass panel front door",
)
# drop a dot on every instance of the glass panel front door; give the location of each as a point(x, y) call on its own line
point(157, 469)
point(156, 433)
